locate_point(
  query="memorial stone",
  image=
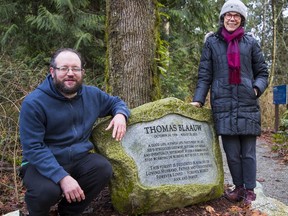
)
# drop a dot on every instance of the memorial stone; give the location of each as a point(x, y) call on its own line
point(169, 158)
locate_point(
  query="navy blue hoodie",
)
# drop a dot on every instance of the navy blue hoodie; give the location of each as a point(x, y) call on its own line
point(55, 130)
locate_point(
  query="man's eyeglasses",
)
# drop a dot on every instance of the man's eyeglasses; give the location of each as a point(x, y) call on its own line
point(66, 69)
point(229, 16)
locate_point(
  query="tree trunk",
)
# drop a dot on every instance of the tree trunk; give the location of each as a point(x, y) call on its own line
point(131, 49)
point(281, 51)
point(263, 36)
point(274, 15)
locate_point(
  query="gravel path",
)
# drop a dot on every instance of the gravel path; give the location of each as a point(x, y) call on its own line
point(271, 173)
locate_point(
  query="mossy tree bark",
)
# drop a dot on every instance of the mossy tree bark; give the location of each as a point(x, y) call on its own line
point(131, 50)
point(281, 38)
point(274, 15)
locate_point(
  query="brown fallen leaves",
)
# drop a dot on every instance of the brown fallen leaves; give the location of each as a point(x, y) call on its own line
point(236, 211)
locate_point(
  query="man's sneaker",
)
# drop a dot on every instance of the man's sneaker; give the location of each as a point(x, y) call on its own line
point(235, 195)
point(249, 197)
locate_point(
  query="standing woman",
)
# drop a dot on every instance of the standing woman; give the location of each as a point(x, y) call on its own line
point(232, 66)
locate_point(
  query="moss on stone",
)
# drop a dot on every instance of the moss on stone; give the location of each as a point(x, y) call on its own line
point(153, 110)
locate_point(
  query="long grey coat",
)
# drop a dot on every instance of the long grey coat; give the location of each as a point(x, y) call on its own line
point(235, 108)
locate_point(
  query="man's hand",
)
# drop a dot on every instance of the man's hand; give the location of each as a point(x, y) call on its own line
point(119, 123)
point(71, 189)
point(256, 92)
point(196, 104)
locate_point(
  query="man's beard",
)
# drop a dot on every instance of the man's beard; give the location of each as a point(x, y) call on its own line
point(60, 86)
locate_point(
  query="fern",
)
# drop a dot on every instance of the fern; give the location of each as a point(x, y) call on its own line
point(7, 10)
point(89, 21)
point(8, 34)
point(46, 20)
point(64, 3)
point(83, 38)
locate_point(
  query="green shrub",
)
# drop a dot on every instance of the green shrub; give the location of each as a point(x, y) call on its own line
point(280, 144)
point(284, 121)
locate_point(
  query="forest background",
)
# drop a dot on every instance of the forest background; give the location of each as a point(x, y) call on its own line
point(139, 50)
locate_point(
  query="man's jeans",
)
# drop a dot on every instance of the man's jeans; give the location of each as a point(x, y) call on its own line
point(92, 173)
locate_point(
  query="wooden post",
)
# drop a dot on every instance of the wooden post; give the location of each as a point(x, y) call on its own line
point(276, 117)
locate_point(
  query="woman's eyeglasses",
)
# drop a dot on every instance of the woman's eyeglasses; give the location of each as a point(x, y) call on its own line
point(229, 16)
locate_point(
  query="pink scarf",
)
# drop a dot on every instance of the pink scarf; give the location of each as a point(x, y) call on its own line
point(233, 53)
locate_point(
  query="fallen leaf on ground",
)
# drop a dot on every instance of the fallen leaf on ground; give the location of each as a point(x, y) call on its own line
point(261, 180)
point(210, 209)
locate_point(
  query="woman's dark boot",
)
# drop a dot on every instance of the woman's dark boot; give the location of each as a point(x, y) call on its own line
point(249, 196)
point(235, 195)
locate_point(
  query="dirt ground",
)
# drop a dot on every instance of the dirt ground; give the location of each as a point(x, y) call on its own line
point(102, 205)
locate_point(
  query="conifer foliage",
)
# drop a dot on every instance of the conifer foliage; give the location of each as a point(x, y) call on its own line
point(31, 30)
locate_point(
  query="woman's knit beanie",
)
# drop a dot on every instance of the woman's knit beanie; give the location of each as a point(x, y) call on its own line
point(234, 6)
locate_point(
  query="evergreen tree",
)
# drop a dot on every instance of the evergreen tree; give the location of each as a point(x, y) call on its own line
point(185, 24)
point(32, 30)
